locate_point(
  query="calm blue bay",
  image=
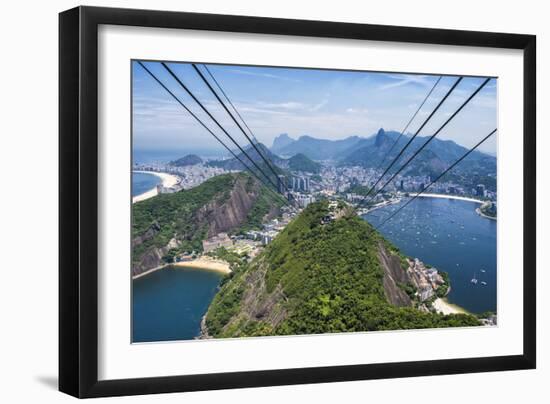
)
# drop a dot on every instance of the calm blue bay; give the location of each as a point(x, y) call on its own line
point(168, 305)
point(142, 182)
point(449, 235)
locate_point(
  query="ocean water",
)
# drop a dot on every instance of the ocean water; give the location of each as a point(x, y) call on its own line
point(168, 305)
point(142, 182)
point(449, 235)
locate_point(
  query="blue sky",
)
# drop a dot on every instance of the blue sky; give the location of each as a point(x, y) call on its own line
point(321, 103)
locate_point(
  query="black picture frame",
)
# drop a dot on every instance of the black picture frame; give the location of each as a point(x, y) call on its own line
point(78, 195)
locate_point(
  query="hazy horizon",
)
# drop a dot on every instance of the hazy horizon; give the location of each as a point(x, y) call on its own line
point(158, 155)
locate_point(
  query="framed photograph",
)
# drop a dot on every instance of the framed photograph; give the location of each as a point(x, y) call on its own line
point(250, 201)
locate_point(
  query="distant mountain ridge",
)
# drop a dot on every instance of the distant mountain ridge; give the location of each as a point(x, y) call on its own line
point(235, 164)
point(281, 141)
point(432, 160)
point(369, 152)
point(314, 148)
point(298, 162)
point(188, 160)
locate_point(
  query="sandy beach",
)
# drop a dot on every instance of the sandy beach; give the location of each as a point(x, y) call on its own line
point(145, 195)
point(444, 307)
point(205, 263)
point(168, 180)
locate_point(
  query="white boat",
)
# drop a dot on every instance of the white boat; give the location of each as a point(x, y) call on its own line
point(484, 283)
point(474, 280)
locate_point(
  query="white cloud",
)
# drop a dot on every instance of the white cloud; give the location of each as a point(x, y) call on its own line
point(357, 110)
point(263, 75)
point(405, 79)
point(318, 106)
point(289, 105)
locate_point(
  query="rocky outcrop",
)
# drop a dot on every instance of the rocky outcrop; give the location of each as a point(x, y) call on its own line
point(224, 217)
point(381, 138)
point(394, 275)
point(148, 235)
point(204, 330)
point(153, 258)
point(257, 304)
point(281, 141)
point(260, 305)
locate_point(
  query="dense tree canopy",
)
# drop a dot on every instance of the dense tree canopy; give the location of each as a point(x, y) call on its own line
point(331, 279)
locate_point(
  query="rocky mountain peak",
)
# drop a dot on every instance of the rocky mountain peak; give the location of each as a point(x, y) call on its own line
point(380, 137)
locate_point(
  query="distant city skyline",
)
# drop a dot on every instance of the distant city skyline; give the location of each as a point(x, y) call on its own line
point(326, 104)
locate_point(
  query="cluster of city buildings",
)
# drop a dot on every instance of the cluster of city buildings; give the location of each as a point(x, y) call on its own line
point(217, 241)
point(426, 279)
point(251, 241)
point(189, 176)
point(480, 191)
point(298, 187)
point(303, 199)
point(271, 229)
point(301, 183)
point(342, 180)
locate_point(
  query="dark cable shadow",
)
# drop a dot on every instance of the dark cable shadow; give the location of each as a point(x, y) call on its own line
point(48, 381)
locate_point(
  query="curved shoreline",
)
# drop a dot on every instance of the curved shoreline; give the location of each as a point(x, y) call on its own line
point(198, 263)
point(445, 196)
point(167, 181)
point(442, 305)
point(480, 213)
point(461, 198)
point(207, 264)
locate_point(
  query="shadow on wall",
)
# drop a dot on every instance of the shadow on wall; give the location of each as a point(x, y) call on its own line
point(48, 381)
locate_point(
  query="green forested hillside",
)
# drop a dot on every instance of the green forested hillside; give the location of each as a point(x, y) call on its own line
point(172, 214)
point(188, 160)
point(300, 162)
point(169, 224)
point(316, 278)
